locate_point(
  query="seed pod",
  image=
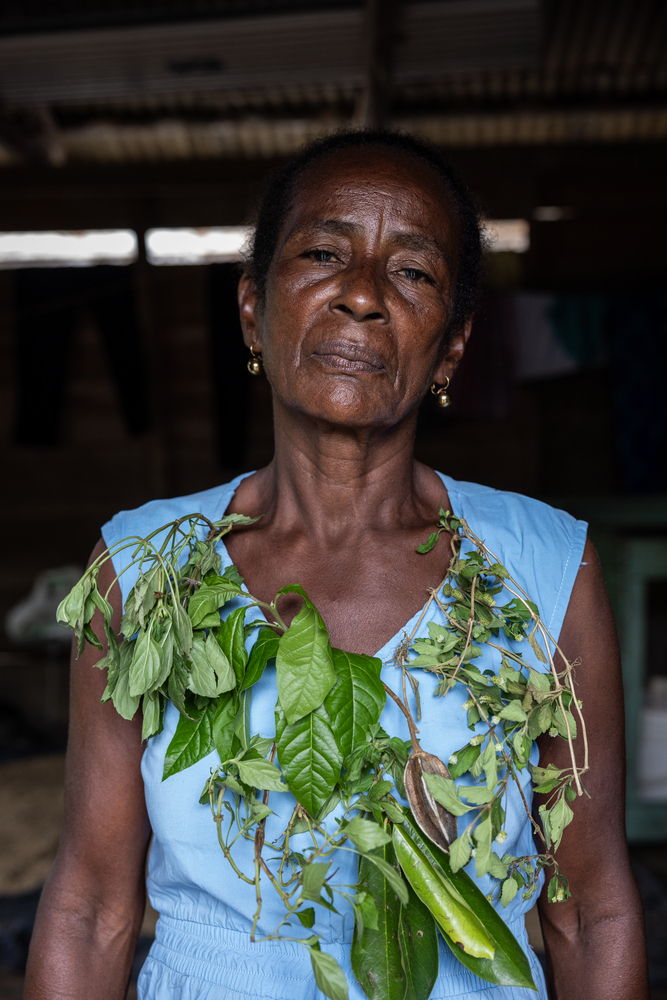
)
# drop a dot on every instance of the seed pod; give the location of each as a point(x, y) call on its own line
point(437, 823)
point(455, 918)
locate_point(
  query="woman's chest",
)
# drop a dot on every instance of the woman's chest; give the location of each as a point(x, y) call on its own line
point(366, 593)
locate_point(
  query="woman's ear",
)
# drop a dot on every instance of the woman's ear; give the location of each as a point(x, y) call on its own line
point(248, 299)
point(453, 354)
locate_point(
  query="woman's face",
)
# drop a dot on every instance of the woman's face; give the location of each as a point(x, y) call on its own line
point(359, 292)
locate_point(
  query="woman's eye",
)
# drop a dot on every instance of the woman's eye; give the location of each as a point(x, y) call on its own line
point(320, 256)
point(414, 274)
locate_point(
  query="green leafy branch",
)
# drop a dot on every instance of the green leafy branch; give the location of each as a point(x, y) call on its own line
point(183, 639)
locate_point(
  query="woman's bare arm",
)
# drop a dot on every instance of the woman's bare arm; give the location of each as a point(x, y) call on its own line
point(93, 901)
point(595, 940)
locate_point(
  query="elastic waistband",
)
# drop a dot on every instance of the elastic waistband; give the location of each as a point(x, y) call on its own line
point(228, 958)
point(281, 970)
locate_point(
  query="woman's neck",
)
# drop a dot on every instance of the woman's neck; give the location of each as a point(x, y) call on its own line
point(330, 481)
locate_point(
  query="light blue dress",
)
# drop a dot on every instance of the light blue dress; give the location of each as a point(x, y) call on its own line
point(202, 949)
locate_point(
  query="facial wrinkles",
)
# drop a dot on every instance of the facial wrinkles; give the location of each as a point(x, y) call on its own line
point(389, 217)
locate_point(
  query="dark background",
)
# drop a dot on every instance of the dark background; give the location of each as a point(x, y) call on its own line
point(119, 384)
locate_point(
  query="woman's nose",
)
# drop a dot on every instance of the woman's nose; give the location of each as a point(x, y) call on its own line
point(361, 293)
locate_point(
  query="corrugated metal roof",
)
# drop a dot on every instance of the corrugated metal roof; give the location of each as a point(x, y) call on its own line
point(465, 72)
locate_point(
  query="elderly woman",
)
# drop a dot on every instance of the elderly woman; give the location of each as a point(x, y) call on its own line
point(356, 302)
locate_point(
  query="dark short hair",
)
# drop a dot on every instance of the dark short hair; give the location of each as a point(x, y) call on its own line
point(281, 189)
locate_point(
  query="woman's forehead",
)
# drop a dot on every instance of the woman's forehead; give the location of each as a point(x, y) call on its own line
point(357, 178)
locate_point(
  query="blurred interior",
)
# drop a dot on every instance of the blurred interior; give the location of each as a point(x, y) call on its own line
point(122, 371)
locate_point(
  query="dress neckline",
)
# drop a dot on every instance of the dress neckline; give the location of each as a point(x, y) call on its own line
point(456, 508)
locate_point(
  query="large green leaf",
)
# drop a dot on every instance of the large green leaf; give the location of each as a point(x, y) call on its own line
point(355, 702)
point(376, 953)
point(509, 965)
point(304, 662)
point(264, 649)
point(309, 758)
point(418, 943)
point(191, 741)
point(231, 639)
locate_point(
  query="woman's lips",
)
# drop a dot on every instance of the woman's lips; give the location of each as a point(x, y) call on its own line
point(348, 357)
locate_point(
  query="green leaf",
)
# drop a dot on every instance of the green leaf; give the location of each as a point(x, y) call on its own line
point(356, 701)
point(497, 868)
point(559, 816)
point(182, 629)
point(231, 639)
point(460, 851)
point(478, 794)
point(513, 712)
point(560, 724)
point(226, 676)
point(329, 976)
point(264, 649)
point(490, 765)
point(429, 544)
point(365, 911)
point(390, 873)
point(177, 681)
point(304, 662)
point(145, 665)
point(71, 608)
point(102, 605)
point(152, 708)
point(365, 834)
point(306, 917)
point(222, 727)
point(126, 704)
point(538, 680)
point(191, 741)
point(312, 879)
point(261, 774)
point(443, 791)
point(309, 758)
point(141, 598)
point(202, 680)
point(376, 953)
point(204, 605)
point(463, 759)
point(482, 835)
point(509, 891)
point(536, 647)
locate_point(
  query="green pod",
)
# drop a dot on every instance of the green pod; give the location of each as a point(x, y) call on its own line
point(509, 965)
point(451, 912)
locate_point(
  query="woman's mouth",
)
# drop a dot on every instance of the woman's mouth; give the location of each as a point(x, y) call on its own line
point(344, 356)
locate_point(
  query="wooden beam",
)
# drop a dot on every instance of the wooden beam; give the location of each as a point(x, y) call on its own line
point(381, 29)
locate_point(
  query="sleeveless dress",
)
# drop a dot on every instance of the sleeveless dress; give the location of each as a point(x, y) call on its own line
point(202, 949)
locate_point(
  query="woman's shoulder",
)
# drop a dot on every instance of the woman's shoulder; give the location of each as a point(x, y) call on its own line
point(144, 519)
point(147, 519)
point(541, 545)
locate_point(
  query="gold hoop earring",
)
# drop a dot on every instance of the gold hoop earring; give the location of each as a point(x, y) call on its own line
point(255, 366)
point(442, 397)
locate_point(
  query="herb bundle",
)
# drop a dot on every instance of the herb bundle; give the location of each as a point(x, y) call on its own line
point(180, 642)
